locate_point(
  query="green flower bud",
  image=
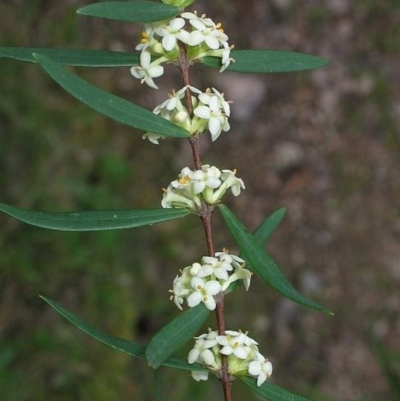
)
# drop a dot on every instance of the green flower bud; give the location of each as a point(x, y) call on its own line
point(178, 3)
point(238, 367)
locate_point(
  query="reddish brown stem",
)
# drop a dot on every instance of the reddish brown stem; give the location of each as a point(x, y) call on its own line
point(195, 145)
point(205, 215)
point(184, 66)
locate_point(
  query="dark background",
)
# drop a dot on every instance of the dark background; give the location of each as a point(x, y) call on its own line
point(325, 144)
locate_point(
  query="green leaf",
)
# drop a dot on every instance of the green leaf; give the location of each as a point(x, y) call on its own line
point(93, 220)
point(272, 392)
point(262, 263)
point(175, 334)
point(119, 344)
point(388, 361)
point(110, 105)
point(267, 61)
point(157, 385)
point(130, 11)
point(264, 231)
point(262, 234)
point(76, 57)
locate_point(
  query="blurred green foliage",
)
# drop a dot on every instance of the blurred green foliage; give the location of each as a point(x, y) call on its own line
point(55, 155)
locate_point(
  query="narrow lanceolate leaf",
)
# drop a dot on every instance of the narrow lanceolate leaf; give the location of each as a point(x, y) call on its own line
point(175, 334)
point(272, 392)
point(262, 234)
point(77, 57)
point(259, 261)
point(110, 105)
point(119, 344)
point(267, 61)
point(264, 231)
point(93, 220)
point(130, 11)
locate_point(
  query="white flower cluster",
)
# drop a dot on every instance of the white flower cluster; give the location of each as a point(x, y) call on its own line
point(201, 35)
point(200, 282)
point(242, 354)
point(210, 109)
point(194, 186)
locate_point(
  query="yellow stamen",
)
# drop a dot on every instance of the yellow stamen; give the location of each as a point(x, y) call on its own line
point(184, 180)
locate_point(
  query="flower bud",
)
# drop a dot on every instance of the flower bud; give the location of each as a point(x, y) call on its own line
point(241, 351)
point(178, 3)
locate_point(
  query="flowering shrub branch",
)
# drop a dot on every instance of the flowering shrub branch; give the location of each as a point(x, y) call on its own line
point(172, 36)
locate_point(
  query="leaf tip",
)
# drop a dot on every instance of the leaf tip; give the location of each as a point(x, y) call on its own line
point(151, 361)
point(322, 309)
point(39, 57)
point(45, 299)
point(81, 10)
point(282, 211)
point(154, 365)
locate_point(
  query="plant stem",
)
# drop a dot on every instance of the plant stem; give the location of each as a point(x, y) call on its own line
point(195, 145)
point(205, 216)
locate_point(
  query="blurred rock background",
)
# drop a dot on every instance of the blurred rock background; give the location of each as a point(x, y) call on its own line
point(325, 144)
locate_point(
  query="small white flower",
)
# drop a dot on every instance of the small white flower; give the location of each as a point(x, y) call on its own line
point(229, 180)
point(210, 110)
point(148, 39)
point(215, 100)
point(203, 292)
point(214, 266)
point(215, 110)
point(175, 111)
point(210, 37)
point(184, 180)
point(242, 353)
point(226, 60)
point(261, 368)
point(173, 198)
point(181, 287)
point(239, 274)
point(206, 352)
point(201, 352)
point(147, 70)
point(153, 138)
point(194, 186)
point(207, 177)
point(227, 258)
point(206, 270)
point(234, 343)
point(225, 265)
point(205, 30)
point(199, 375)
point(173, 32)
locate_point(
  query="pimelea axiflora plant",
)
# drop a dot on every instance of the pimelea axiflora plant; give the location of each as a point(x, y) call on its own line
point(173, 37)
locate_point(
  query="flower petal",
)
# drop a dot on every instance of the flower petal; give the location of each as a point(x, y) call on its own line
point(202, 112)
point(194, 299)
